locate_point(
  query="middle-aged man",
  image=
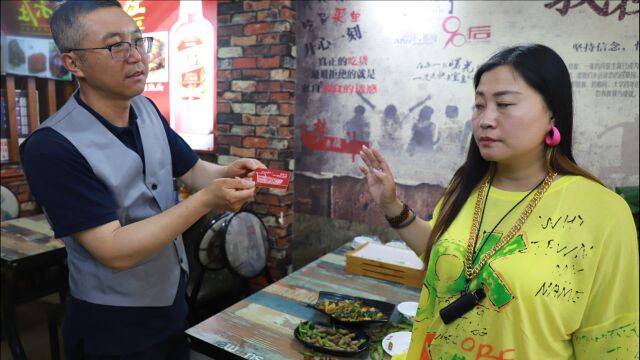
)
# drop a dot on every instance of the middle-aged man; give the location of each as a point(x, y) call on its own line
point(102, 169)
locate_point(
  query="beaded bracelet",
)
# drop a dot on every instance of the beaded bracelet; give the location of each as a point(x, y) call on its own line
point(408, 222)
point(397, 220)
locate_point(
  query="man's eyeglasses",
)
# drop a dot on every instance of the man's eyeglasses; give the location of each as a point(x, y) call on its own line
point(122, 50)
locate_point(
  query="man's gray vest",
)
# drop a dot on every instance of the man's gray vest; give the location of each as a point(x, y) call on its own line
point(153, 281)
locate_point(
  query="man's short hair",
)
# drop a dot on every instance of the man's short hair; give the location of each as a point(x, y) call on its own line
point(67, 29)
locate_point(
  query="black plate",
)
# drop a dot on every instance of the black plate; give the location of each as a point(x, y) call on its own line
point(385, 308)
point(359, 336)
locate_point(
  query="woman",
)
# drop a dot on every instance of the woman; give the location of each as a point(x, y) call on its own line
point(529, 255)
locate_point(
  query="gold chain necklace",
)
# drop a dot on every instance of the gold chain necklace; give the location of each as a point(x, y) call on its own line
point(473, 271)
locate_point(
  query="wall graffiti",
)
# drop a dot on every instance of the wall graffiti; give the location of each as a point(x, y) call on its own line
point(363, 67)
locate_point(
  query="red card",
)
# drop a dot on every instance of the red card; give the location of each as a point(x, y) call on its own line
point(278, 179)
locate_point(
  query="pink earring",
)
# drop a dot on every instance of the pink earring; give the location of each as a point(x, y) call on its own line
point(554, 139)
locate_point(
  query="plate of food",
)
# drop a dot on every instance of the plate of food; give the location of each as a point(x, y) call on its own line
point(351, 310)
point(331, 339)
point(397, 342)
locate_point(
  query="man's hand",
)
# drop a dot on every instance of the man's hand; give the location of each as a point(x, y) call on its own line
point(243, 168)
point(229, 194)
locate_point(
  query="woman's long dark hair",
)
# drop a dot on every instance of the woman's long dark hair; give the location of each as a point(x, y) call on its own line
point(543, 70)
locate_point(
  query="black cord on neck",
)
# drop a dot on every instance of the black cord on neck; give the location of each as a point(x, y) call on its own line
point(483, 242)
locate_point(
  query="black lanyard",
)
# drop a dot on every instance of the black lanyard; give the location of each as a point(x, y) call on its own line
point(483, 242)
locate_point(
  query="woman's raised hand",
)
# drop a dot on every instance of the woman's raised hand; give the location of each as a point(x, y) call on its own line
point(382, 185)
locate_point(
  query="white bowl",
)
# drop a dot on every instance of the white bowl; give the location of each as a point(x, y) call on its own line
point(397, 342)
point(408, 309)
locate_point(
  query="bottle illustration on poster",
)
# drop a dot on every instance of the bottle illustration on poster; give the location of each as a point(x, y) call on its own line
point(192, 76)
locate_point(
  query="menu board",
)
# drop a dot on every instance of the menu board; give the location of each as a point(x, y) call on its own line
point(183, 31)
point(27, 46)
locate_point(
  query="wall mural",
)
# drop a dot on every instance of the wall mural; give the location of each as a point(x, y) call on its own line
point(398, 76)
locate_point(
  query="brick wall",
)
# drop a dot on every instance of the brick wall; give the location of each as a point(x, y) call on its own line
point(256, 105)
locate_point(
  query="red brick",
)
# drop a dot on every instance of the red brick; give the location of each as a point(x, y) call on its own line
point(223, 128)
point(256, 74)
point(242, 152)
point(224, 107)
point(267, 198)
point(281, 96)
point(230, 140)
point(269, 62)
point(286, 108)
point(266, 131)
point(278, 232)
point(269, 154)
point(279, 165)
point(288, 219)
point(279, 120)
point(229, 74)
point(287, 14)
point(268, 15)
point(224, 75)
point(256, 50)
point(283, 242)
point(285, 132)
point(256, 28)
point(244, 63)
point(281, 3)
point(259, 208)
point(268, 38)
point(255, 142)
point(242, 130)
point(22, 197)
point(280, 50)
point(223, 86)
point(280, 26)
point(289, 85)
point(256, 5)
point(276, 210)
point(268, 86)
point(243, 40)
point(231, 30)
point(286, 199)
point(255, 119)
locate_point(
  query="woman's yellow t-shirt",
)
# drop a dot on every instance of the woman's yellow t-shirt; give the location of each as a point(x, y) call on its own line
point(565, 287)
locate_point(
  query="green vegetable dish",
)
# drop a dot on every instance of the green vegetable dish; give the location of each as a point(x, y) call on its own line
point(350, 310)
point(331, 339)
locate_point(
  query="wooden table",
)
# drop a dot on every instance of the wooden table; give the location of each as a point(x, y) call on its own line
point(33, 266)
point(261, 326)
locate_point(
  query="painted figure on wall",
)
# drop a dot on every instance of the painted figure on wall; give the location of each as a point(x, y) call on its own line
point(358, 126)
point(390, 140)
point(424, 133)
